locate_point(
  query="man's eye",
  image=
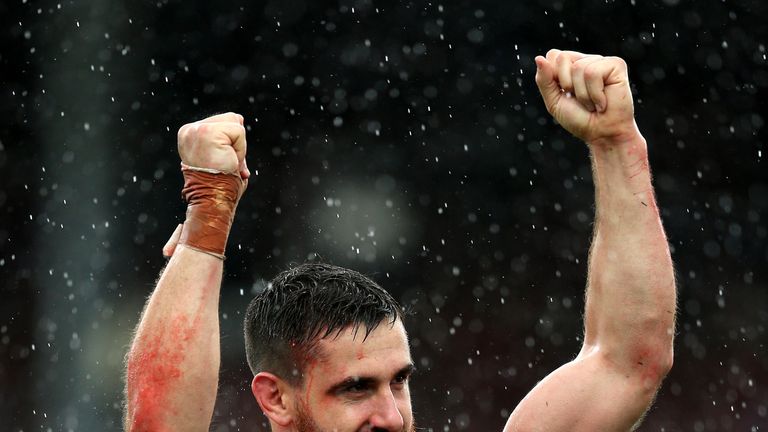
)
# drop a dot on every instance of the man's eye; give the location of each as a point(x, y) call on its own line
point(400, 379)
point(357, 388)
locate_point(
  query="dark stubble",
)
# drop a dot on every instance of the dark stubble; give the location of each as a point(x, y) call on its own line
point(304, 423)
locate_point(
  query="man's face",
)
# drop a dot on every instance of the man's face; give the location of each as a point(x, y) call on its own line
point(356, 385)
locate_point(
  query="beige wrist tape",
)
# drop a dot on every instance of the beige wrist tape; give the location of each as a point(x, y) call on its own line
point(211, 198)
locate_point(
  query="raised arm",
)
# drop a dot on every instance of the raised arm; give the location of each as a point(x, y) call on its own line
point(173, 363)
point(630, 299)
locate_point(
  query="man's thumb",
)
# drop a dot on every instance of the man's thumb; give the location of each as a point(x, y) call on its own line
point(170, 246)
point(545, 79)
point(245, 173)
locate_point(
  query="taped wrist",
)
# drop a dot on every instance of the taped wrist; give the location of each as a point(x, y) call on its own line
point(211, 198)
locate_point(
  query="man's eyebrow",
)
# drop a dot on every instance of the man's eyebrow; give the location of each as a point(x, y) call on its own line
point(407, 370)
point(353, 381)
point(367, 381)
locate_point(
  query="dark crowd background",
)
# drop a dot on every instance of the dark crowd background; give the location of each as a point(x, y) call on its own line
point(403, 139)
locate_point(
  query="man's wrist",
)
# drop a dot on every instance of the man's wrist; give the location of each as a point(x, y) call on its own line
point(626, 136)
point(622, 161)
point(212, 199)
point(627, 147)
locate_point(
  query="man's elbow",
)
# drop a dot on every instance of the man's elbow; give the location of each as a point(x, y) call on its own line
point(652, 369)
point(666, 361)
point(652, 354)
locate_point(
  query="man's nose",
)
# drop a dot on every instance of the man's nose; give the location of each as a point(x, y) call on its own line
point(387, 416)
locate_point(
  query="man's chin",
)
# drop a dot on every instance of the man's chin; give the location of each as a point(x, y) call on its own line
point(305, 423)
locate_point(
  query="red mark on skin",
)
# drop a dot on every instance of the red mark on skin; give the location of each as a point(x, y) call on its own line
point(651, 200)
point(360, 354)
point(153, 367)
point(649, 367)
point(641, 166)
point(153, 371)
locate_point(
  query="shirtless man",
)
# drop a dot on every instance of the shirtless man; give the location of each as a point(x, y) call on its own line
point(327, 345)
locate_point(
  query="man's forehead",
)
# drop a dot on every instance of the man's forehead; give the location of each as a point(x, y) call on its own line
point(355, 341)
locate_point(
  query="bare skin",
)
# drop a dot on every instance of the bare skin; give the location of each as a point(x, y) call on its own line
point(630, 299)
point(629, 316)
point(172, 366)
point(350, 385)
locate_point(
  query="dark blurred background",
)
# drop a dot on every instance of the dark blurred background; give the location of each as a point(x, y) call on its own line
point(403, 139)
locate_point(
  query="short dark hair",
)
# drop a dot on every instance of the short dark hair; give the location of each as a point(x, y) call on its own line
point(307, 303)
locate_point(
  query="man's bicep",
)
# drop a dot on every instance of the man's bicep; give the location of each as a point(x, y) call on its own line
point(586, 394)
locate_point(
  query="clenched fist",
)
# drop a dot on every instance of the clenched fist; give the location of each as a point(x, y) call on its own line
point(217, 142)
point(588, 95)
point(215, 173)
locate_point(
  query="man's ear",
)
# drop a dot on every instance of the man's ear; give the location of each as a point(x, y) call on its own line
point(274, 398)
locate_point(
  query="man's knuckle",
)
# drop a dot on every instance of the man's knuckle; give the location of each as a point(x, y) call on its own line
point(619, 61)
point(182, 132)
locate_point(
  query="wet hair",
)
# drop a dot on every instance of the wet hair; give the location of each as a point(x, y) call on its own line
point(308, 303)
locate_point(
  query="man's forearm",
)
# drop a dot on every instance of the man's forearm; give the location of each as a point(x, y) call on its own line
point(172, 366)
point(630, 308)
